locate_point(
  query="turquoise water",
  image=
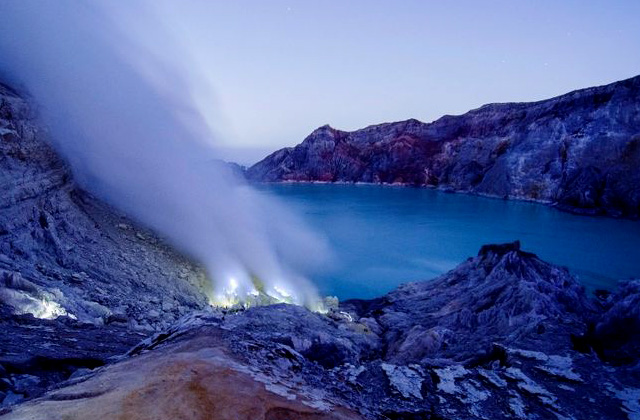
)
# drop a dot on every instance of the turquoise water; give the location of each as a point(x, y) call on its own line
point(384, 236)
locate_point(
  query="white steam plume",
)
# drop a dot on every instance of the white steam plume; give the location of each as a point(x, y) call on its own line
point(130, 109)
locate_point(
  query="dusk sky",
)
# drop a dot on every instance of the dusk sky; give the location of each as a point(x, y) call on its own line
point(279, 69)
point(283, 68)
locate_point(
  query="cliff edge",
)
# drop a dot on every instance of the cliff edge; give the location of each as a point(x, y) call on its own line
point(579, 151)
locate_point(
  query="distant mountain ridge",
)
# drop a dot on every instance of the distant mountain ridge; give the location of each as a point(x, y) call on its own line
point(579, 151)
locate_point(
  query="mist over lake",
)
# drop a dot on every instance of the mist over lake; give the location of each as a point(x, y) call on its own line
point(391, 235)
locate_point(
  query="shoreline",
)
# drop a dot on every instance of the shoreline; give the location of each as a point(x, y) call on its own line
point(448, 190)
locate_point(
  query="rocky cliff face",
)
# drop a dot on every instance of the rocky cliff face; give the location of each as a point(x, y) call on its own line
point(504, 335)
point(79, 282)
point(579, 151)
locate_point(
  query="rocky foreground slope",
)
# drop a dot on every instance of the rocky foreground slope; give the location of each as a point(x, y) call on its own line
point(579, 151)
point(504, 335)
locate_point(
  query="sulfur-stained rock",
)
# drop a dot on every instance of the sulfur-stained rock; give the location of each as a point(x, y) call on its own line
point(190, 379)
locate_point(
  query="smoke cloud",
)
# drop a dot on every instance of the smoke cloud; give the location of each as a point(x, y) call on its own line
point(129, 105)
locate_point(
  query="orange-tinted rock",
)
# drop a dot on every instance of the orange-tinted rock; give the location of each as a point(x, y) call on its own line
point(196, 380)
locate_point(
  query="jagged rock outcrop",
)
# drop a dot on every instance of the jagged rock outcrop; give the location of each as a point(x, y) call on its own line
point(493, 338)
point(66, 255)
point(579, 151)
point(504, 295)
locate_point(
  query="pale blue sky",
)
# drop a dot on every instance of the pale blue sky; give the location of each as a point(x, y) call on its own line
point(280, 68)
point(283, 68)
